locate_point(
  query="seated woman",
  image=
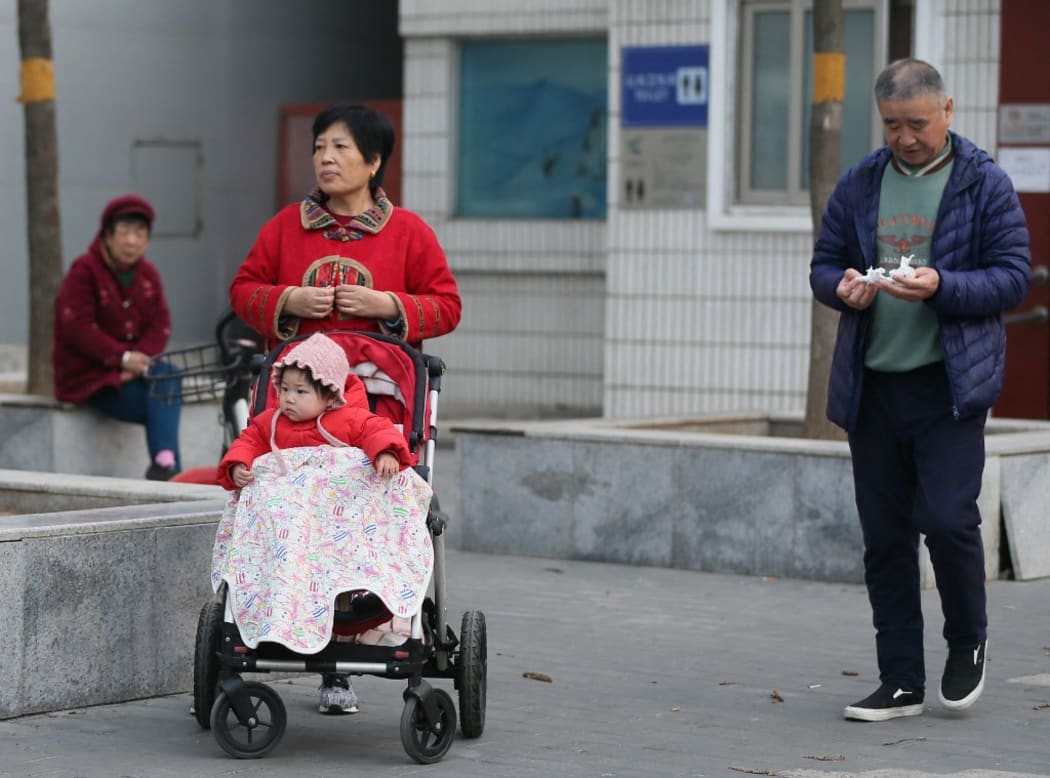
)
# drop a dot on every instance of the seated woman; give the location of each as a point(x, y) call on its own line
point(110, 318)
point(324, 509)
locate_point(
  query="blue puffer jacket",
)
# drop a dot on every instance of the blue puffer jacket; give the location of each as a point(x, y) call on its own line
point(979, 248)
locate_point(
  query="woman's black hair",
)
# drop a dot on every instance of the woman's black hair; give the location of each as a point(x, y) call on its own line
point(372, 132)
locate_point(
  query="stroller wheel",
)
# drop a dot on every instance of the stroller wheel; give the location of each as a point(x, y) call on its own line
point(206, 661)
point(471, 673)
point(254, 740)
point(428, 741)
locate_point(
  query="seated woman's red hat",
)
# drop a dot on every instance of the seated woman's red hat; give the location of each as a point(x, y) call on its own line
point(127, 205)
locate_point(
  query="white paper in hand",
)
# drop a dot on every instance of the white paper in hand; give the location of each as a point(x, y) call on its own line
point(905, 270)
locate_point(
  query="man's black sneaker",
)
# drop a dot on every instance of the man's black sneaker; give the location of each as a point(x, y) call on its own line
point(963, 679)
point(888, 702)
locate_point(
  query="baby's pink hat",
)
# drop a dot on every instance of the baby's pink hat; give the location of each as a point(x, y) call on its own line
point(324, 359)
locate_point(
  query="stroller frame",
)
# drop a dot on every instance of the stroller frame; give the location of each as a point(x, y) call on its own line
point(248, 719)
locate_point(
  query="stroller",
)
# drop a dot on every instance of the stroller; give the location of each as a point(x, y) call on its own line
point(248, 718)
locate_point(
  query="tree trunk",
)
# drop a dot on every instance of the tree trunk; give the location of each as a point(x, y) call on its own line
point(825, 131)
point(41, 151)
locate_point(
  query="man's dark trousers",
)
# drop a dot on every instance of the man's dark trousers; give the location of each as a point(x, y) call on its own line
point(917, 469)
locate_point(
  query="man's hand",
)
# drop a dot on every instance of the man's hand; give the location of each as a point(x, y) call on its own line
point(310, 302)
point(915, 288)
point(856, 292)
point(360, 302)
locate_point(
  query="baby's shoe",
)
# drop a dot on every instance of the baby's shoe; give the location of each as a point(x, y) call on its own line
point(337, 695)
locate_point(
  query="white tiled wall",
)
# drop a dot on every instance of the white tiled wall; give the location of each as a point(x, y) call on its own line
point(429, 18)
point(696, 320)
point(530, 340)
point(969, 62)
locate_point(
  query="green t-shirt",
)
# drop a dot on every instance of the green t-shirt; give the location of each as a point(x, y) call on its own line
point(905, 335)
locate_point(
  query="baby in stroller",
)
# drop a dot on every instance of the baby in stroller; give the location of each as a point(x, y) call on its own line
point(301, 476)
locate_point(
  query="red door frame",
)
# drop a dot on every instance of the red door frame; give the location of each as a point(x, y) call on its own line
point(1024, 61)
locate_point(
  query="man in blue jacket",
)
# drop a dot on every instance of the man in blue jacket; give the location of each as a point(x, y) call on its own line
point(922, 248)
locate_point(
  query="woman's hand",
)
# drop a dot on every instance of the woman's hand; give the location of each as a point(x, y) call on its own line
point(133, 363)
point(387, 465)
point(241, 476)
point(360, 302)
point(310, 302)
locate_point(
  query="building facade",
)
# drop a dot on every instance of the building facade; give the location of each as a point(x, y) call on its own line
point(696, 307)
point(613, 259)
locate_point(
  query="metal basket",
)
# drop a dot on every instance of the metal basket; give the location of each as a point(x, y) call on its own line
point(193, 374)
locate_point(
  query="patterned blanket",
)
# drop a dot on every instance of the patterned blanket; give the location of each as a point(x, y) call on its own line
point(290, 543)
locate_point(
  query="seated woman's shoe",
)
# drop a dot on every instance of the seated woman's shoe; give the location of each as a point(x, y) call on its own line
point(163, 467)
point(157, 472)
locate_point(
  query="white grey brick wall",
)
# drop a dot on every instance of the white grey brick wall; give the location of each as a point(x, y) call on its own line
point(531, 336)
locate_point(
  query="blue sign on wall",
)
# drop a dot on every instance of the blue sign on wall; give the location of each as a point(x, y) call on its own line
point(664, 86)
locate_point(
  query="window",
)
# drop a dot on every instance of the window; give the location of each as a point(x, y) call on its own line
point(532, 129)
point(775, 96)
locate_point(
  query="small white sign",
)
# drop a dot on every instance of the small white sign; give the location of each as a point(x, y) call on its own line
point(1028, 167)
point(691, 86)
point(1024, 124)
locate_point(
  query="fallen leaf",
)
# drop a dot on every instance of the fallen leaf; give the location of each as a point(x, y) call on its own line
point(727, 683)
point(675, 709)
point(850, 673)
point(538, 677)
point(905, 740)
point(775, 696)
point(826, 757)
point(753, 772)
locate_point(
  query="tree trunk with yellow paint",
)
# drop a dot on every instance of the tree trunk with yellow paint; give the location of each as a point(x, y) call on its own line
point(825, 131)
point(41, 154)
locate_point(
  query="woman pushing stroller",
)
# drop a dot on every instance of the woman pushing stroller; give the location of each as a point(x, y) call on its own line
point(303, 478)
point(344, 258)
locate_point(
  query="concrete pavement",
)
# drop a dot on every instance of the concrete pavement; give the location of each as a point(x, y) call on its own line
point(654, 672)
